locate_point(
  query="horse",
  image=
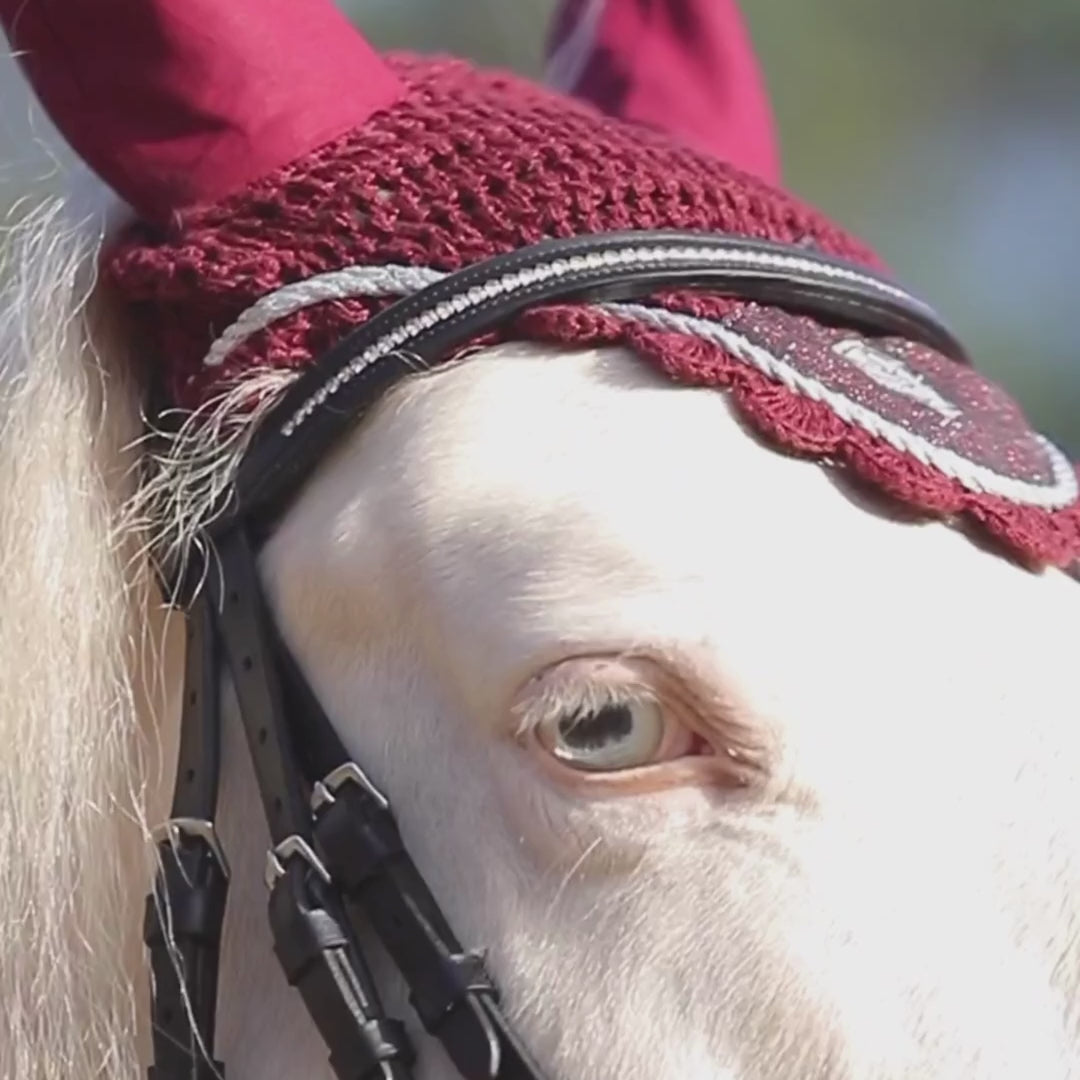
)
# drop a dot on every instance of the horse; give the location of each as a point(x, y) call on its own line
point(734, 764)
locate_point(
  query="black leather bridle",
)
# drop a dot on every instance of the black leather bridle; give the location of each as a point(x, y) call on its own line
point(337, 864)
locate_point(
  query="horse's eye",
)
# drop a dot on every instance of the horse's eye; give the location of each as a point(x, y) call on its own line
point(621, 735)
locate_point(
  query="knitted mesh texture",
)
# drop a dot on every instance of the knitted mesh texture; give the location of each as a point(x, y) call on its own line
point(470, 164)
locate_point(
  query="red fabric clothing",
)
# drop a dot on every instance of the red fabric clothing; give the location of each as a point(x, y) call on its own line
point(685, 66)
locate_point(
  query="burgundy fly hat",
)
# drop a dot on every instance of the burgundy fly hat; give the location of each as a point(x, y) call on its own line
point(289, 183)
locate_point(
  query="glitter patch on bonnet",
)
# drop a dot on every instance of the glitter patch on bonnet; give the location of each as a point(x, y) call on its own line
point(924, 430)
point(942, 413)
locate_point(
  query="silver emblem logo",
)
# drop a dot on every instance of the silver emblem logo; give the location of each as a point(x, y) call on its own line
point(894, 375)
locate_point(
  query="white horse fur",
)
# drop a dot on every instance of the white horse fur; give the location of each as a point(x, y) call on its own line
point(892, 894)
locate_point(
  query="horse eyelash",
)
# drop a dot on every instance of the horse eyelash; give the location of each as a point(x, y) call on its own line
point(549, 699)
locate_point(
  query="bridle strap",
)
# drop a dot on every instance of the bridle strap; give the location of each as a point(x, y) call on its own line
point(239, 610)
point(185, 910)
point(313, 877)
point(360, 844)
point(422, 330)
point(449, 988)
point(313, 939)
point(308, 865)
point(336, 850)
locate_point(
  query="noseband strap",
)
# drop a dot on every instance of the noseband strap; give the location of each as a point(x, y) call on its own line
point(337, 864)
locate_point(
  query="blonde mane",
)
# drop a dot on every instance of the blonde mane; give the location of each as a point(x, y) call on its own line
point(93, 497)
point(80, 755)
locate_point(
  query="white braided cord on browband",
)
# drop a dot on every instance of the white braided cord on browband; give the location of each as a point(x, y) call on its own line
point(353, 281)
point(381, 281)
point(978, 478)
point(398, 280)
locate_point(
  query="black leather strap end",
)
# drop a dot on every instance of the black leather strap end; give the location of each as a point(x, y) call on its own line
point(449, 987)
point(321, 960)
point(187, 906)
point(455, 977)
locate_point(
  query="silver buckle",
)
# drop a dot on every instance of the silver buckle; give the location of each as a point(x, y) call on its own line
point(322, 794)
point(290, 846)
point(199, 828)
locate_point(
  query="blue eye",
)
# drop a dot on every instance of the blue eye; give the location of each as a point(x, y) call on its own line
point(621, 735)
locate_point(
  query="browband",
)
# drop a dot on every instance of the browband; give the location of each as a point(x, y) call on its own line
point(422, 330)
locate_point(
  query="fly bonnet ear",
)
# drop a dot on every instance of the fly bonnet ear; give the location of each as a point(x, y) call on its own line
point(686, 67)
point(178, 103)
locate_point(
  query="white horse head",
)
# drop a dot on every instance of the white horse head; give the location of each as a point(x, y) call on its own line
point(737, 770)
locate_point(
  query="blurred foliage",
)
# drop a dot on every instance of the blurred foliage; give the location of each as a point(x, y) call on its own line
point(945, 132)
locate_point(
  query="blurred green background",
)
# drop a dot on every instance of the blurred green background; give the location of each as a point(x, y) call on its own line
point(945, 132)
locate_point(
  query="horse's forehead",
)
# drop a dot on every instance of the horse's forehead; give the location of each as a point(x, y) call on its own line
point(527, 452)
point(525, 503)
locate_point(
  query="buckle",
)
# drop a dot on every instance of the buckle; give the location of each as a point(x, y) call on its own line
point(175, 830)
point(292, 847)
point(322, 794)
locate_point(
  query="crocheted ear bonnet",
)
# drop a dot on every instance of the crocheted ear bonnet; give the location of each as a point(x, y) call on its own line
point(290, 183)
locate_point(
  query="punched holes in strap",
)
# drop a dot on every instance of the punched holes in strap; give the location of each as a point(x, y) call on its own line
point(312, 940)
point(241, 621)
point(185, 911)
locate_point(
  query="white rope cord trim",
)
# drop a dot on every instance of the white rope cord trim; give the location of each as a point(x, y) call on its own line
point(978, 478)
point(519, 280)
point(398, 280)
point(370, 281)
point(353, 281)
